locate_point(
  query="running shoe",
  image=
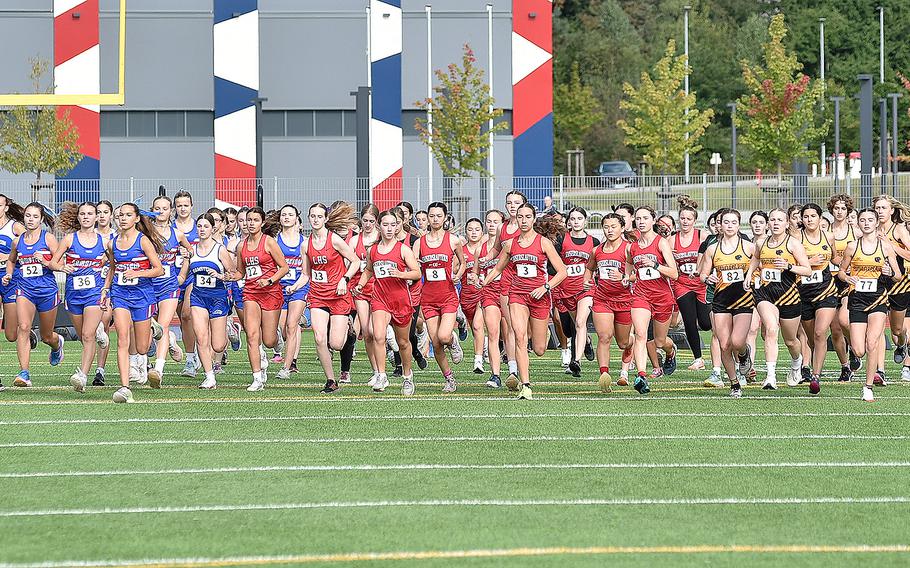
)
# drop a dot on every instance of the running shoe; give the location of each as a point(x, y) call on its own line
point(900, 352)
point(23, 379)
point(283, 374)
point(770, 383)
point(382, 381)
point(32, 339)
point(99, 378)
point(407, 386)
point(173, 348)
point(450, 385)
point(605, 383)
point(525, 393)
point(793, 377)
point(641, 385)
point(512, 382)
point(669, 364)
point(750, 376)
point(233, 331)
point(745, 361)
point(867, 394)
point(154, 378)
point(623, 380)
point(56, 356)
point(293, 367)
point(420, 360)
point(423, 342)
point(123, 395)
point(814, 386)
point(398, 372)
point(456, 352)
point(566, 359)
point(589, 350)
point(218, 369)
point(330, 387)
point(855, 362)
point(846, 375)
point(880, 380)
point(345, 378)
point(697, 365)
point(736, 390)
point(494, 382)
point(189, 369)
point(153, 350)
point(2, 388)
point(657, 372)
point(462, 327)
point(478, 368)
point(78, 380)
point(805, 374)
point(575, 369)
point(373, 379)
point(157, 330)
point(256, 385)
point(101, 337)
point(209, 384)
point(905, 374)
point(277, 358)
point(714, 381)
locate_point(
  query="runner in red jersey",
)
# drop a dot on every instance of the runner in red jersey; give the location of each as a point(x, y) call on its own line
point(612, 301)
point(420, 339)
point(393, 264)
point(324, 254)
point(529, 294)
point(688, 288)
point(651, 258)
point(369, 236)
point(572, 300)
point(262, 265)
point(471, 294)
point(436, 252)
point(496, 325)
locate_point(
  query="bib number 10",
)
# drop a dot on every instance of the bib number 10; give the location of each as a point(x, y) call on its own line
point(575, 270)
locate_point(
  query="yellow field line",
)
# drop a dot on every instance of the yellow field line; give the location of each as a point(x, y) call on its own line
point(519, 552)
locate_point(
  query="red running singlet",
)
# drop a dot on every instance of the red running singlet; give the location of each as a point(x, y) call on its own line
point(529, 270)
point(687, 263)
point(610, 296)
point(470, 294)
point(260, 264)
point(507, 274)
point(390, 294)
point(575, 257)
point(361, 251)
point(490, 294)
point(651, 290)
point(326, 270)
point(438, 295)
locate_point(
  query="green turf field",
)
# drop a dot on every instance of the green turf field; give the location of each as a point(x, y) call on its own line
point(685, 476)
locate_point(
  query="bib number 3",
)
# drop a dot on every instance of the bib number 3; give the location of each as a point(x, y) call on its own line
point(526, 270)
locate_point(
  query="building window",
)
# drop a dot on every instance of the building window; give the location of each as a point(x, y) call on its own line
point(171, 124)
point(200, 124)
point(273, 123)
point(300, 123)
point(113, 124)
point(328, 123)
point(140, 124)
point(157, 124)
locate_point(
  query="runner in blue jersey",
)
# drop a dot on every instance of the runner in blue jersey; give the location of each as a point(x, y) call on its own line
point(290, 239)
point(36, 288)
point(219, 237)
point(10, 228)
point(235, 289)
point(167, 289)
point(81, 255)
point(104, 227)
point(133, 258)
point(186, 224)
point(210, 266)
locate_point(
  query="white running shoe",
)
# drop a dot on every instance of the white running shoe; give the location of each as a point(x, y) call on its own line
point(134, 371)
point(867, 394)
point(407, 386)
point(905, 374)
point(233, 333)
point(450, 385)
point(279, 347)
point(770, 383)
point(210, 384)
point(714, 381)
point(256, 385)
point(458, 353)
point(382, 381)
point(283, 374)
point(123, 395)
point(78, 381)
point(390, 340)
point(101, 337)
point(373, 379)
point(157, 330)
point(173, 348)
point(423, 342)
point(263, 359)
point(794, 376)
point(566, 358)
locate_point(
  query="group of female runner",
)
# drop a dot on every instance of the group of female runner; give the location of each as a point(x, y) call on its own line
point(379, 277)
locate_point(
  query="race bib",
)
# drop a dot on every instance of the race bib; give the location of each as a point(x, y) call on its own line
point(605, 272)
point(813, 278)
point(363, 265)
point(770, 275)
point(833, 268)
point(122, 280)
point(381, 270)
point(291, 276)
point(526, 270)
point(575, 270)
point(178, 260)
point(867, 285)
point(205, 280)
point(32, 270)
point(86, 282)
point(435, 275)
point(3, 264)
point(320, 277)
point(253, 272)
point(732, 276)
point(688, 268)
point(104, 271)
point(648, 273)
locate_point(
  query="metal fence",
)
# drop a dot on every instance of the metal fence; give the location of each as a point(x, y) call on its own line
point(471, 197)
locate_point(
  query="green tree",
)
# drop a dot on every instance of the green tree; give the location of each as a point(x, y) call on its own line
point(780, 113)
point(38, 139)
point(462, 109)
point(658, 123)
point(575, 111)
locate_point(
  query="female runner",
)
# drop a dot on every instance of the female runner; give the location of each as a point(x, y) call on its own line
point(867, 299)
point(572, 301)
point(733, 302)
point(324, 254)
point(529, 291)
point(818, 293)
point(81, 255)
point(262, 265)
point(128, 289)
point(758, 224)
point(892, 218)
point(651, 257)
point(209, 267)
point(436, 252)
point(841, 206)
point(290, 239)
point(36, 288)
point(779, 261)
point(713, 228)
point(105, 228)
point(393, 264)
point(361, 243)
point(688, 289)
point(11, 217)
point(471, 295)
point(185, 223)
point(612, 300)
point(235, 289)
point(497, 325)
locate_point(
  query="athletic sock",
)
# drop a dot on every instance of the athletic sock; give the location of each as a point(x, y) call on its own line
point(513, 367)
point(716, 370)
point(604, 370)
point(771, 368)
point(210, 375)
point(478, 360)
point(100, 370)
point(159, 365)
point(191, 357)
point(797, 363)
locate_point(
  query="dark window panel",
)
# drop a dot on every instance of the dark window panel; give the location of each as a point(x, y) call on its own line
point(113, 124)
point(300, 123)
point(328, 123)
point(350, 123)
point(141, 124)
point(171, 123)
point(273, 123)
point(200, 123)
point(409, 119)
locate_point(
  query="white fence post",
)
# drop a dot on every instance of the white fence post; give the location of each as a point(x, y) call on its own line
point(132, 193)
point(275, 191)
point(562, 191)
point(704, 194)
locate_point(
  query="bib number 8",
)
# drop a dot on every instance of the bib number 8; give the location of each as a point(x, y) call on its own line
point(867, 285)
point(526, 270)
point(732, 276)
point(436, 275)
point(575, 270)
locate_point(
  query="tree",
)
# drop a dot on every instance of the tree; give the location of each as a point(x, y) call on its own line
point(575, 111)
point(657, 120)
point(38, 139)
point(780, 114)
point(462, 109)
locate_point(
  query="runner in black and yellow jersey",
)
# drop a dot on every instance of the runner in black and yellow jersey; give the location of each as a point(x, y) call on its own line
point(840, 206)
point(818, 292)
point(725, 264)
point(866, 267)
point(780, 259)
point(892, 216)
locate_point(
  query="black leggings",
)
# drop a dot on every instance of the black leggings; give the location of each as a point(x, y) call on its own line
point(695, 315)
point(412, 335)
point(568, 328)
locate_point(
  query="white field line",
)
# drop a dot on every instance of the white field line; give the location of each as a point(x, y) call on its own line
point(452, 439)
point(452, 467)
point(461, 503)
point(484, 416)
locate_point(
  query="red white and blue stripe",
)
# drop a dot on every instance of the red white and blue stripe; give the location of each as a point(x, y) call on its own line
point(236, 58)
point(386, 143)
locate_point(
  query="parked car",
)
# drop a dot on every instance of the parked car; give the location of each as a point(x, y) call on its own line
point(617, 174)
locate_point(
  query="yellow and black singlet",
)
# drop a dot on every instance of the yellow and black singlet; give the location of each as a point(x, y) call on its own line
point(819, 285)
point(870, 290)
point(900, 286)
point(778, 285)
point(731, 268)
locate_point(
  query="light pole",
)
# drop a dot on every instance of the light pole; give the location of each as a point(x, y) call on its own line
point(821, 52)
point(686, 10)
point(429, 10)
point(881, 44)
point(490, 125)
point(894, 97)
point(258, 102)
point(836, 101)
point(733, 152)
